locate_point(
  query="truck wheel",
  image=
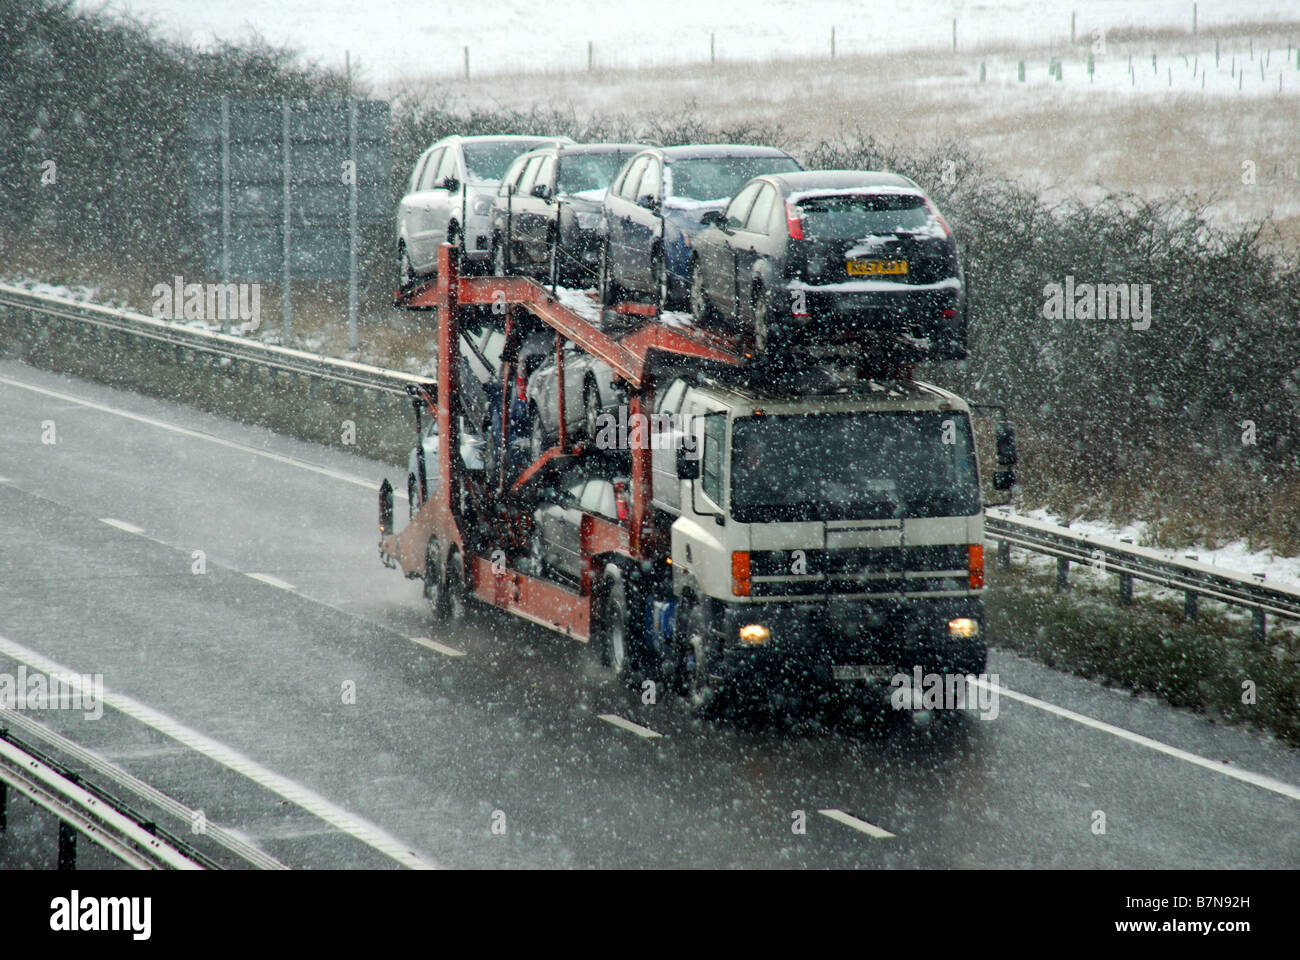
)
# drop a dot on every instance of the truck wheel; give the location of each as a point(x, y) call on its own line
point(456, 589)
point(697, 687)
point(435, 583)
point(611, 652)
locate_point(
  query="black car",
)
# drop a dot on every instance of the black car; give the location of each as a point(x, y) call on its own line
point(827, 256)
point(547, 212)
point(654, 209)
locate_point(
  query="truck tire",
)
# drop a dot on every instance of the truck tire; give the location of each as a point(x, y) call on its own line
point(698, 689)
point(456, 589)
point(435, 582)
point(611, 652)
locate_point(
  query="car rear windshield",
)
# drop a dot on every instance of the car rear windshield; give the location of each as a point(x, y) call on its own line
point(488, 161)
point(719, 178)
point(850, 466)
point(589, 171)
point(863, 215)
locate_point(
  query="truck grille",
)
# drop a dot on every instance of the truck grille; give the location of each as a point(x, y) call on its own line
point(913, 569)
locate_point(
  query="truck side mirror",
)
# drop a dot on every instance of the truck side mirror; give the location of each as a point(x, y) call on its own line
point(1006, 441)
point(385, 508)
point(1004, 479)
point(688, 467)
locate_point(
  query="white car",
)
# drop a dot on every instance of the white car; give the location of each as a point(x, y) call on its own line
point(589, 390)
point(449, 198)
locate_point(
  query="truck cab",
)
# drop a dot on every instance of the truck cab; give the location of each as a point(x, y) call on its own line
point(832, 532)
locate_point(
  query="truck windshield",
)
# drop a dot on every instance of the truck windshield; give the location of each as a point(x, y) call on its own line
point(853, 466)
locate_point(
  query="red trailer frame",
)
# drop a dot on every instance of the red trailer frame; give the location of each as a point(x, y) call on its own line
point(439, 520)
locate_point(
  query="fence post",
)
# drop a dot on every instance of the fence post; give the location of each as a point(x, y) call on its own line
point(67, 847)
point(954, 34)
point(832, 43)
point(1062, 574)
point(1125, 589)
point(1258, 625)
point(713, 58)
point(225, 201)
point(286, 318)
point(590, 57)
point(467, 63)
point(1190, 606)
point(1004, 555)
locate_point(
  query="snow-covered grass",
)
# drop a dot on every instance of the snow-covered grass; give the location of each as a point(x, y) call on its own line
point(392, 39)
point(1236, 556)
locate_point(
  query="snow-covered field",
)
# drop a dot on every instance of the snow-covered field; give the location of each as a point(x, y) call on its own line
point(392, 39)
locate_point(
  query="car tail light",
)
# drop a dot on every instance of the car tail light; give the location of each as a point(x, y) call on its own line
point(976, 566)
point(934, 212)
point(620, 502)
point(793, 221)
point(740, 573)
point(948, 313)
point(521, 386)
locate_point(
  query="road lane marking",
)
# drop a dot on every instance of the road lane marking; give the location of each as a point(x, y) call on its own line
point(122, 525)
point(199, 435)
point(870, 829)
point(628, 725)
point(270, 580)
point(1216, 766)
point(297, 794)
point(438, 647)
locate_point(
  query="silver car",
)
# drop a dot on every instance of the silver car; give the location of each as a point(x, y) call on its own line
point(449, 198)
point(589, 390)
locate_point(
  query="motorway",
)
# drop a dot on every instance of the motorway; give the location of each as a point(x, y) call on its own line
point(227, 689)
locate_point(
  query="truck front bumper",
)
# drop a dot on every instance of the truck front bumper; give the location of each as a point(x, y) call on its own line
point(839, 642)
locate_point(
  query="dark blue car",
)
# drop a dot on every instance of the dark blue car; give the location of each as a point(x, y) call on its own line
point(654, 207)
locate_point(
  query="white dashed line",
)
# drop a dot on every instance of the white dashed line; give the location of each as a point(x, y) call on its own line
point(303, 797)
point(628, 725)
point(270, 580)
point(870, 829)
point(122, 525)
point(438, 647)
point(1215, 766)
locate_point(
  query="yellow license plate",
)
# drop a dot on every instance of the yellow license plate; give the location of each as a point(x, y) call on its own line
point(877, 268)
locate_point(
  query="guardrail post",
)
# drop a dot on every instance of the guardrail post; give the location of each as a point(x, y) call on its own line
point(4, 806)
point(1257, 625)
point(1190, 603)
point(1004, 555)
point(1125, 589)
point(1062, 574)
point(67, 847)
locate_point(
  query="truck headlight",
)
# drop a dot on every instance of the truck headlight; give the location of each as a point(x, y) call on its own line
point(963, 628)
point(754, 634)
